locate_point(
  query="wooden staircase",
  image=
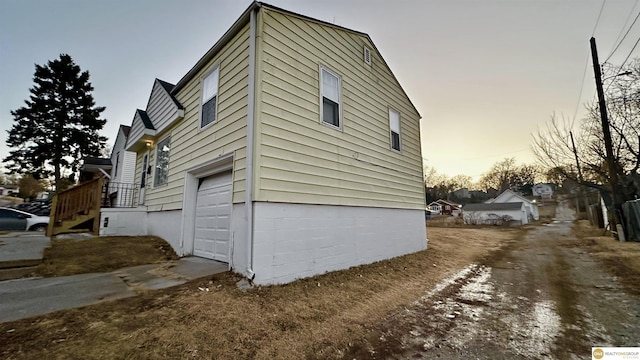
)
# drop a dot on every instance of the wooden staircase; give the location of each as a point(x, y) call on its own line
point(77, 209)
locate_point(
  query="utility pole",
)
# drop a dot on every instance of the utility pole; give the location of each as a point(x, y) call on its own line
point(582, 191)
point(613, 175)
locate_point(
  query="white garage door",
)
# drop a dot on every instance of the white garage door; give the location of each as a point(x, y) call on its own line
point(213, 215)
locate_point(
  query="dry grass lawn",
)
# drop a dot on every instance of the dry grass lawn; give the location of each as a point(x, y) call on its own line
point(102, 254)
point(622, 259)
point(310, 318)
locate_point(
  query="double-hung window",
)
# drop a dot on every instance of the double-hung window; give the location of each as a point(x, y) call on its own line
point(394, 129)
point(209, 98)
point(162, 162)
point(330, 109)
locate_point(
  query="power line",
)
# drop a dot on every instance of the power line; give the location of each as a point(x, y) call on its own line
point(625, 34)
point(586, 65)
point(598, 19)
point(624, 62)
point(630, 52)
point(584, 75)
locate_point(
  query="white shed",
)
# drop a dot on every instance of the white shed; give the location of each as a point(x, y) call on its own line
point(507, 213)
point(511, 196)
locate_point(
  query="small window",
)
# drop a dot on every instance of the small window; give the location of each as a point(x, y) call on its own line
point(394, 127)
point(162, 162)
point(330, 108)
point(209, 98)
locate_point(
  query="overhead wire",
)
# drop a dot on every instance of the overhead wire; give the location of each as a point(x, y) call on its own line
point(584, 76)
point(598, 19)
point(624, 62)
point(630, 52)
point(586, 65)
point(626, 33)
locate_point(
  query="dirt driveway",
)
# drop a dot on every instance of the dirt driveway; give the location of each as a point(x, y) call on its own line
point(541, 297)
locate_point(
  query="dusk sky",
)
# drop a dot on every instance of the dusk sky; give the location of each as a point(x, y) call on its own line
point(484, 75)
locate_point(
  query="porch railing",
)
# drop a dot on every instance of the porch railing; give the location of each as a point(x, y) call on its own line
point(119, 195)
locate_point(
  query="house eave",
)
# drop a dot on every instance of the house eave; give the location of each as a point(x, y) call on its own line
point(147, 137)
point(242, 21)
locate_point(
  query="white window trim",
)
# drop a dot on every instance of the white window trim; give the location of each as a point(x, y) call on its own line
point(155, 163)
point(202, 101)
point(340, 118)
point(399, 131)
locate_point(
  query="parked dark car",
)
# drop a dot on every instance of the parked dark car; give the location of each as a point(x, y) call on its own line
point(18, 220)
point(36, 207)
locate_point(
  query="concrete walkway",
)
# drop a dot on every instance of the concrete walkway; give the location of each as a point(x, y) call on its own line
point(26, 297)
point(20, 252)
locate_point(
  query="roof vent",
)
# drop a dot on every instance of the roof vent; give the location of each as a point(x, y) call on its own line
point(367, 55)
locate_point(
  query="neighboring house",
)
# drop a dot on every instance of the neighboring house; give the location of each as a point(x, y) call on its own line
point(288, 150)
point(511, 196)
point(9, 190)
point(122, 191)
point(445, 207)
point(435, 208)
point(93, 166)
point(544, 191)
point(500, 213)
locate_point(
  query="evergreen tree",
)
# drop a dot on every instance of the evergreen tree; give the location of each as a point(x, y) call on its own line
point(59, 125)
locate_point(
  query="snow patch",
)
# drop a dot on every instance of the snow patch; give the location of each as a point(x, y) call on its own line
point(450, 281)
point(535, 335)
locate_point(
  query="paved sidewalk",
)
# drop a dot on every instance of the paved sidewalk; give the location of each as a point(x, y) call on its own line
point(26, 297)
point(22, 248)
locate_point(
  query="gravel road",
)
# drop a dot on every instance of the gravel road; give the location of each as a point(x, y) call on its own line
point(541, 297)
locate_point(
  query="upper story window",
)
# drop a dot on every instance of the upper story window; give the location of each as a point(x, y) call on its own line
point(394, 129)
point(209, 109)
point(331, 107)
point(162, 162)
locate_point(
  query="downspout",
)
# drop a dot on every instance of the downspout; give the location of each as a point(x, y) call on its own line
point(251, 98)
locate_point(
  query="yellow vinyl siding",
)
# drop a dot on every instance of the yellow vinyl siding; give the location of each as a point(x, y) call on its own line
point(192, 146)
point(304, 161)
